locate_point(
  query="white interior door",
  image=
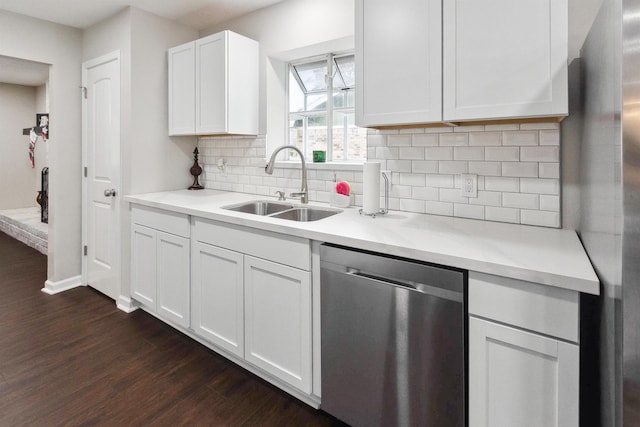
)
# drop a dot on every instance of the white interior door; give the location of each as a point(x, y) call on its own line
point(101, 201)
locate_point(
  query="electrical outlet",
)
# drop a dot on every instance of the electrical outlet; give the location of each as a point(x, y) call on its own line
point(469, 185)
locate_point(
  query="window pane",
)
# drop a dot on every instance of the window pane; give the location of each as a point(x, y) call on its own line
point(296, 96)
point(344, 98)
point(346, 67)
point(296, 131)
point(312, 75)
point(316, 135)
point(345, 132)
point(339, 99)
point(317, 101)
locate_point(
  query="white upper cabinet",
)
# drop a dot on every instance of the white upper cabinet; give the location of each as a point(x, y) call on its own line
point(398, 62)
point(213, 86)
point(505, 59)
point(426, 61)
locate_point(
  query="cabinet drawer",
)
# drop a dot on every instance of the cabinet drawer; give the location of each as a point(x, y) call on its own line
point(167, 221)
point(287, 250)
point(544, 309)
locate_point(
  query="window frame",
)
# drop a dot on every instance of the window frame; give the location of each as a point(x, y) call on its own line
point(332, 70)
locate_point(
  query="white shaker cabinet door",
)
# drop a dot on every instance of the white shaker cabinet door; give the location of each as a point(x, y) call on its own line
point(398, 62)
point(182, 104)
point(278, 321)
point(504, 59)
point(211, 84)
point(218, 296)
point(143, 265)
point(173, 278)
point(518, 378)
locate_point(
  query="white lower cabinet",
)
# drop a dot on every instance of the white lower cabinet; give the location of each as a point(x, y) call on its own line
point(218, 296)
point(278, 320)
point(248, 302)
point(518, 378)
point(160, 271)
point(524, 374)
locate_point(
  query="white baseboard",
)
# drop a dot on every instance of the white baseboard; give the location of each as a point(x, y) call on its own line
point(126, 304)
point(53, 288)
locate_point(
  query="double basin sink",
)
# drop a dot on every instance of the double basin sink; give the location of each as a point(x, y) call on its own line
point(283, 210)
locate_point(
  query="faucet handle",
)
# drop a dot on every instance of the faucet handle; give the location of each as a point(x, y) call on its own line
point(280, 195)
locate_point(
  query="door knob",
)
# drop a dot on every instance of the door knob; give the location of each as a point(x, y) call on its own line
point(110, 193)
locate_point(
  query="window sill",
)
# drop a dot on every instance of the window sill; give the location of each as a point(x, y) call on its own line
point(340, 166)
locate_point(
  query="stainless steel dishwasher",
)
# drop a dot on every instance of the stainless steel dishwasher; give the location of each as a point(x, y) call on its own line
point(393, 340)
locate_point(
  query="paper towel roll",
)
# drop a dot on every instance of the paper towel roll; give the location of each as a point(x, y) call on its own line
point(371, 188)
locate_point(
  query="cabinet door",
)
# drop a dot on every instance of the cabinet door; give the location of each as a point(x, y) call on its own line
point(398, 62)
point(218, 296)
point(173, 278)
point(505, 59)
point(278, 321)
point(143, 265)
point(517, 378)
point(182, 90)
point(211, 84)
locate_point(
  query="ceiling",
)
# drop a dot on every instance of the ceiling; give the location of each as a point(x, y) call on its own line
point(198, 14)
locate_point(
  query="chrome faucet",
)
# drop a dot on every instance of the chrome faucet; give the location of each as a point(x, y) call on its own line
point(304, 190)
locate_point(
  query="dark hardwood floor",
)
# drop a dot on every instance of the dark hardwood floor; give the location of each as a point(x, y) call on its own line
point(74, 359)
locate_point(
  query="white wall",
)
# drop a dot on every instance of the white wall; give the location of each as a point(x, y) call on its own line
point(282, 30)
point(150, 159)
point(18, 111)
point(58, 45)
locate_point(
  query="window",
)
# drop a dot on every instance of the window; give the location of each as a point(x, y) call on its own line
point(321, 108)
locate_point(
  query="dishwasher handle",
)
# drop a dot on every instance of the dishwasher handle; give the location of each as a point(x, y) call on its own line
point(412, 286)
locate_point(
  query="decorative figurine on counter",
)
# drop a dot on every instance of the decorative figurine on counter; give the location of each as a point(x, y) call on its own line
point(195, 170)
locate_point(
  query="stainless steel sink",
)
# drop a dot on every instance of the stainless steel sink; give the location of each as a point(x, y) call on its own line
point(306, 214)
point(260, 207)
point(283, 210)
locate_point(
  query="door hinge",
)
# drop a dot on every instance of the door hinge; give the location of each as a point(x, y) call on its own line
point(85, 250)
point(84, 91)
point(85, 171)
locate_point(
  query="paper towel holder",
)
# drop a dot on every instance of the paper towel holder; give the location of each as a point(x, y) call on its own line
point(386, 199)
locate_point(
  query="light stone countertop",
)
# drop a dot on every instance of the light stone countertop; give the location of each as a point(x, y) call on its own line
point(542, 255)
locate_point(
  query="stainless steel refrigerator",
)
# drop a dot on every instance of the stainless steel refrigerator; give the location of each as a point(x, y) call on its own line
point(609, 106)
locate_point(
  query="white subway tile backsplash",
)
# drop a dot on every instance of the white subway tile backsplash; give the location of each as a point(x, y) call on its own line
point(540, 186)
point(519, 200)
point(452, 167)
point(423, 166)
point(520, 138)
point(439, 208)
point(411, 205)
point(468, 153)
point(399, 140)
point(549, 170)
point(454, 139)
point(468, 211)
point(502, 184)
point(413, 179)
point(425, 193)
point(493, 213)
point(485, 168)
point(541, 218)
point(439, 153)
point(550, 203)
point(440, 181)
point(520, 169)
point(540, 154)
point(424, 140)
point(485, 139)
point(412, 153)
point(502, 154)
point(549, 137)
point(399, 165)
point(487, 198)
point(453, 195)
point(517, 167)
